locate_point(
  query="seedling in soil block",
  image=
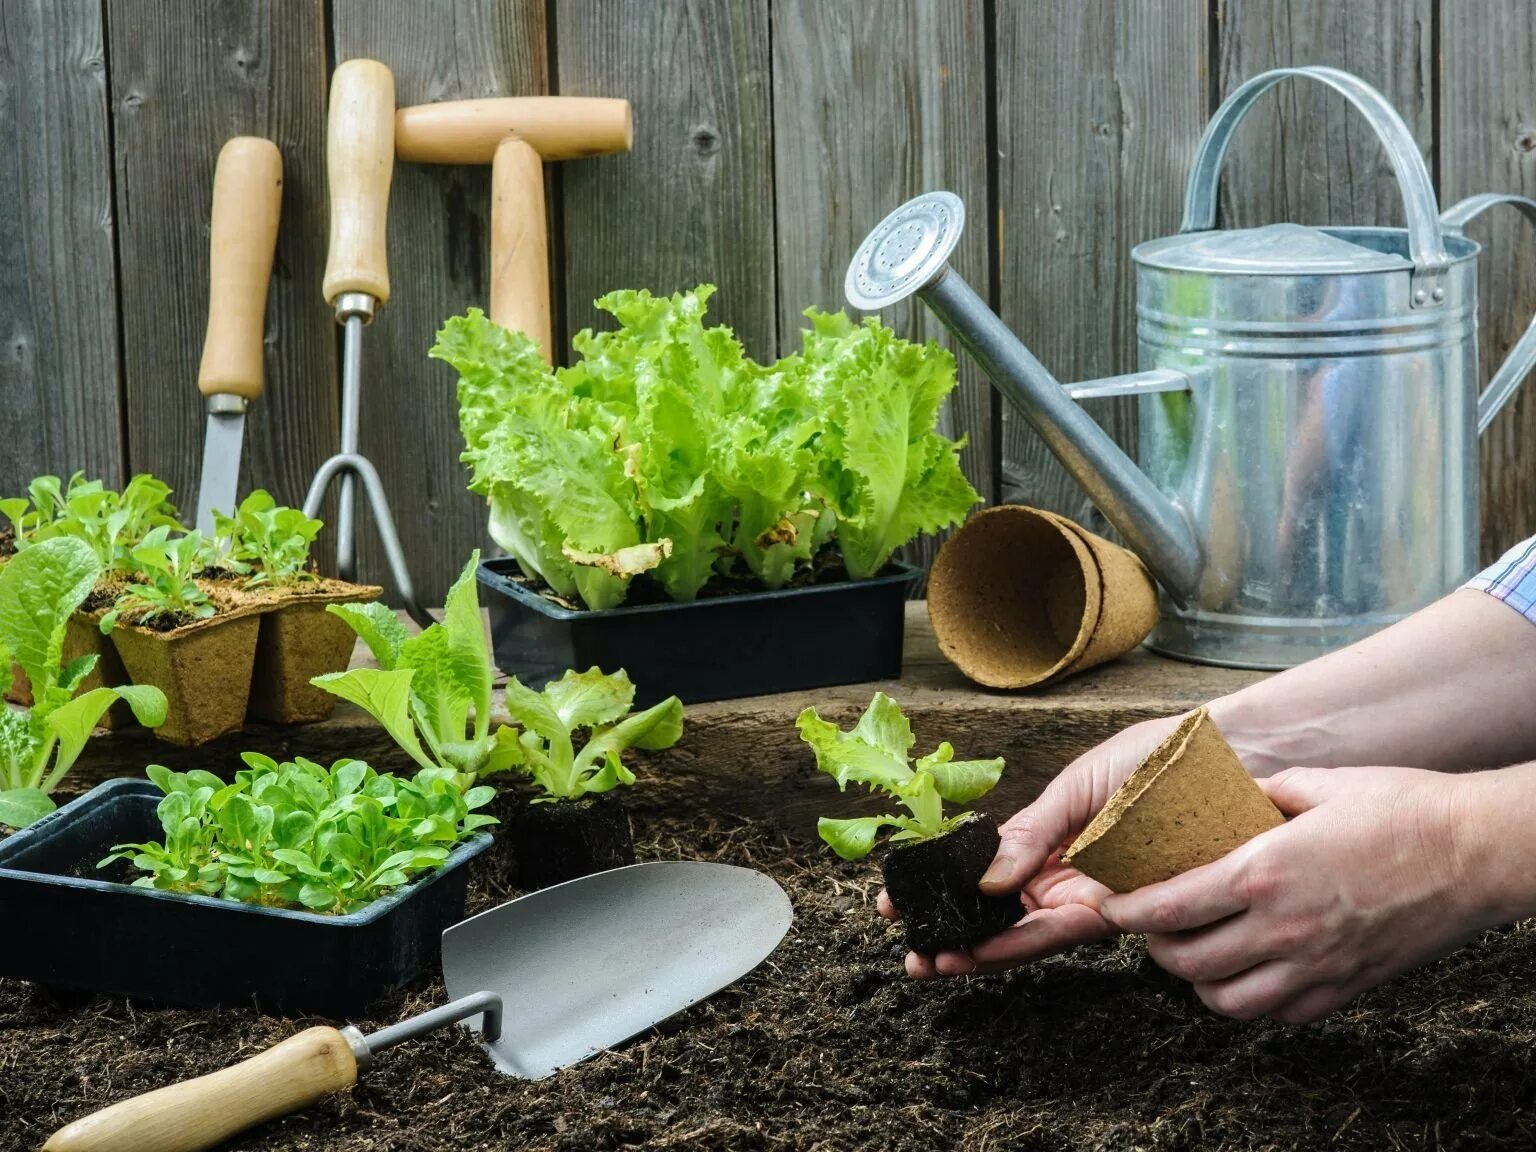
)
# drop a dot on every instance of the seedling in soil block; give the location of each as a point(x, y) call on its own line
point(164, 594)
point(933, 872)
point(298, 835)
point(429, 689)
point(577, 825)
point(40, 588)
point(112, 524)
point(266, 543)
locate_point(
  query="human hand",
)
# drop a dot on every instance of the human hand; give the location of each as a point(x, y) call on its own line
point(1373, 875)
point(1061, 902)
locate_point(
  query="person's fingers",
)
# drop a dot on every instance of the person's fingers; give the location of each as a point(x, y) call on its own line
point(954, 962)
point(1313, 1004)
point(1295, 790)
point(1215, 953)
point(1044, 932)
point(1194, 899)
point(1260, 991)
point(1031, 835)
point(884, 906)
point(920, 967)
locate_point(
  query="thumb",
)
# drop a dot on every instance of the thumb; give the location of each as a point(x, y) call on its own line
point(1031, 835)
point(1294, 790)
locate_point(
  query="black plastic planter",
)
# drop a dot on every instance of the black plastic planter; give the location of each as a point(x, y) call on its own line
point(719, 648)
point(68, 929)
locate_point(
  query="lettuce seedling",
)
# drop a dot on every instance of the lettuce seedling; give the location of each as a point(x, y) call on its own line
point(111, 523)
point(39, 589)
point(297, 834)
point(428, 689)
point(266, 542)
point(590, 700)
point(876, 753)
point(163, 587)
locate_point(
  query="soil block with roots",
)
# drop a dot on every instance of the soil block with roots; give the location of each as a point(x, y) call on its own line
point(933, 885)
point(570, 838)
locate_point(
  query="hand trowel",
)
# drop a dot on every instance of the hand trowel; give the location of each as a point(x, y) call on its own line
point(546, 980)
point(247, 196)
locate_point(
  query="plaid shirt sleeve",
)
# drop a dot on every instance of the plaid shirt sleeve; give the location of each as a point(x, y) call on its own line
point(1512, 579)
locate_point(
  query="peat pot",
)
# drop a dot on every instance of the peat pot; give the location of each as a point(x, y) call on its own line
point(69, 927)
point(1310, 410)
point(717, 648)
point(298, 641)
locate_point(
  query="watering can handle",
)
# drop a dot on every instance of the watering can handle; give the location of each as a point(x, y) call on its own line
point(1426, 245)
point(1522, 357)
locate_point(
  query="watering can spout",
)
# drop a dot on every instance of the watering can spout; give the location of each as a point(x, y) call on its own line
point(907, 254)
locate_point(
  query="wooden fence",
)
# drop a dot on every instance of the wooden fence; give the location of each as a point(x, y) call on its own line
point(769, 135)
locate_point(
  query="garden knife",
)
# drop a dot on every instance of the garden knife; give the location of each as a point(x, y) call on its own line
point(247, 196)
point(548, 980)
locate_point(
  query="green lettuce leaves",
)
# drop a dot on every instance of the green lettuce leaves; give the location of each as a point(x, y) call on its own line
point(432, 691)
point(876, 753)
point(40, 587)
point(666, 451)
point(591, 700)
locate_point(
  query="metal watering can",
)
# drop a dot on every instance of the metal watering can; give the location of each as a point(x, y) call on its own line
point(1309, 430)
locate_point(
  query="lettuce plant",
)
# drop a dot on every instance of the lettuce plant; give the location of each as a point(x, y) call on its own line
point(164, 587)
point(297, 834)
point(666, 450)
point(39, 589)
point(432, 691)
point(876, 753)
point(111, 523)
point(266, 542)
point(593, 701)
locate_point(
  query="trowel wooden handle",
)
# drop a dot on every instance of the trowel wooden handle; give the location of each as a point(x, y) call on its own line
point(247, 196)
point(202, 1113)
point(359, 161)
point(469, 131)
point(519, 243)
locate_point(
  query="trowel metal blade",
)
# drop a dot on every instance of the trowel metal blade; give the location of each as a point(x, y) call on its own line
point(220, 481)
point(586, 964)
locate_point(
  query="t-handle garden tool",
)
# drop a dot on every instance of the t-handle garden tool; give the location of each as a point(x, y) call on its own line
point(553, 978)
point(515, 135)
point(360, 158)
point(247, 197)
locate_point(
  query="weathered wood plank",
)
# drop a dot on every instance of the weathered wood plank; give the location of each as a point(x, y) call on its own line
point(1487, 143)
point(693, 201)
point(745, 756)
point(439, 253)
point(1100, 105)
point(185, 78)
point(873, 103)
point(1303, 154)
point(58, 303)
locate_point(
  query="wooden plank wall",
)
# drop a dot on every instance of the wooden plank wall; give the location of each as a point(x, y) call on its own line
point(770, 134)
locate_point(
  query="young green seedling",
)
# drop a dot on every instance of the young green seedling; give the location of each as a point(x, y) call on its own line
point(111, 523)
point(876, 754)
point(266, 542)
point(298, 835)
point(597, 702)
point(164, 588)
point(39, 589)
point(431, 692)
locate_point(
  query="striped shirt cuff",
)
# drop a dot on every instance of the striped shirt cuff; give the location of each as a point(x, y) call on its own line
point(1512, 579)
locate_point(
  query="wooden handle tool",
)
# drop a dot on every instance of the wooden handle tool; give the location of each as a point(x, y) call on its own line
point(359, 162)
point(469, 131)
point(247, 197)
point(519, 243)
point(204, 1112)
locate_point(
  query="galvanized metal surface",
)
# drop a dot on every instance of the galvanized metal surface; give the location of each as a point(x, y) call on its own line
point(585, 965)
point(1316, 479)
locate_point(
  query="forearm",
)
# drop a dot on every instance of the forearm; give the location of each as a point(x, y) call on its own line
point(1451, 688)
point(1492, 838)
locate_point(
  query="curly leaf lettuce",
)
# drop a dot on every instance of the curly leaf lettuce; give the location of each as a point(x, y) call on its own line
point(885, 470)
point(876, 753)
